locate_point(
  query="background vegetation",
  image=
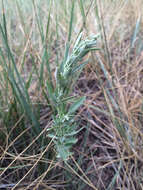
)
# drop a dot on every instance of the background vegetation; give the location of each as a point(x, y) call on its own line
point(109, 150)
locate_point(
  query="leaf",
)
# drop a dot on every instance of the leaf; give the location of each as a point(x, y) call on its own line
point(70, 142)
point(79, 67)
point(52, 136)
point(74, 132)
point(63, 152)
point(76, 105)
point(77, 41)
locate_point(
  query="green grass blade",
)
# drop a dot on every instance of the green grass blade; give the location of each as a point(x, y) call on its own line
point(39, 22)
point(21, 16)
point(71, 21)
point(48, 21)
point(19, 89)
point(4, 21)
point(112, 183)
point(82, 12)
point(137, 27)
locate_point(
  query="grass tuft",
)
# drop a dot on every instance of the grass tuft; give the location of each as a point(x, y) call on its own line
point(59, 97)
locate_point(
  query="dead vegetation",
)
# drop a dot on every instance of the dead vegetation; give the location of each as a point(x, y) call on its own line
point(109, 151)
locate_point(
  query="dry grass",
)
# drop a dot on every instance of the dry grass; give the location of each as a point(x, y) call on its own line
point(109, 152)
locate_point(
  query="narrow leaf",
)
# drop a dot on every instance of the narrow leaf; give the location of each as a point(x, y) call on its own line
point(76, 105)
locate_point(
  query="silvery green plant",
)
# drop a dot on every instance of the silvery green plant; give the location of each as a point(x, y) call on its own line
point(64, 127)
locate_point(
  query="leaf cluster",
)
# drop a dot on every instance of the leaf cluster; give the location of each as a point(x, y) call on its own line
point(64, 126)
